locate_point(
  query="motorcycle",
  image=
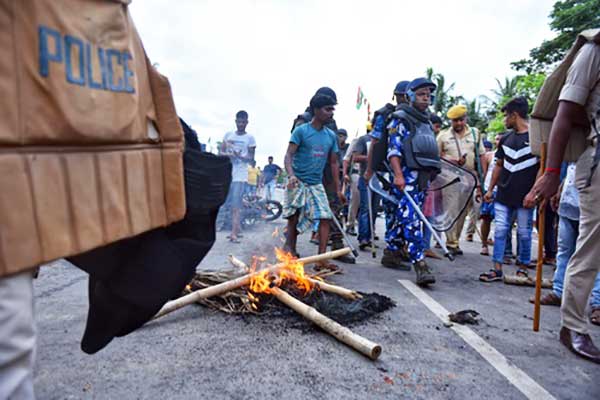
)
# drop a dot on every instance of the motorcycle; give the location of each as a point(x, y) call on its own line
point(254, 209)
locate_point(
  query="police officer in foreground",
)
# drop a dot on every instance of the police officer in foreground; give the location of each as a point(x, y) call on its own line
point(410, 129)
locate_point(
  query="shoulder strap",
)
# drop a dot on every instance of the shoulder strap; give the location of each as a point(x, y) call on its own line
point(477, 160)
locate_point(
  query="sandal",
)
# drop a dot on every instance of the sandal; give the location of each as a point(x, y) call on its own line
point(522, 273)
point(595, 316)
point(327, 266)
point(235, 240)
point(484, 251)
point(491, 276)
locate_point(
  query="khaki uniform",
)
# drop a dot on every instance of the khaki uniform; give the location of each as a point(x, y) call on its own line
point(452, 146)
point(583, 87)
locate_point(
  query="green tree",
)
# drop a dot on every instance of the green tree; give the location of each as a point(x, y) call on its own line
point(568, 18)
point(530, 85)
point(477, 114)
point(506, 90)
point(443, 98)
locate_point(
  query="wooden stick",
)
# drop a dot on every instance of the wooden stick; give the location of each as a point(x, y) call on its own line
point(324, 286)
point(228, 286)
point(340, 291)
point(523, 281)
point(237, 263)
point(540, 256)
point(341, 333)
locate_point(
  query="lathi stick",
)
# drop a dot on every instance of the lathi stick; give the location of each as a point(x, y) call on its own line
point(341, 333)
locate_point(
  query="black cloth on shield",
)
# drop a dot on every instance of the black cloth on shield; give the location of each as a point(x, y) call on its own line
point(130, 280)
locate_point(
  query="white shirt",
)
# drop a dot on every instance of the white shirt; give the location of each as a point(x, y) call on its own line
point(237, 146)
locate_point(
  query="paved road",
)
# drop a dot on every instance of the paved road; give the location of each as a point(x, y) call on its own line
point(198, 353)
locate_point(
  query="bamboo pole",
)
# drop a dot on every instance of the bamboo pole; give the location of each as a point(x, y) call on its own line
point(339, 290)
point(541, 221)
point(324, 286)
point(237, 263)
point(341, 333)
point(525, 281)
point(228, 286)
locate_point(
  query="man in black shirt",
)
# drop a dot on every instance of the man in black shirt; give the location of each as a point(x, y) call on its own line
point(515, 175)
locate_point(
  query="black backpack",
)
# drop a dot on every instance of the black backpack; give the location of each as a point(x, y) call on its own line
point(380, 148)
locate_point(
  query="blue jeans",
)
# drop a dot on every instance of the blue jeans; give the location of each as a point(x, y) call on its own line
point(270, 189)
point(504, 215)
point(364, 226)
point(568, 230)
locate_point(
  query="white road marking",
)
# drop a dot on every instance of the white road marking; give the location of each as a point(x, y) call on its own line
point(523, 382)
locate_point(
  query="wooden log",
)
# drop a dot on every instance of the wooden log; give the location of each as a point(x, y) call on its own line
point(324, 286)
point(228, 286)
point(523, 281)
point(341, 333)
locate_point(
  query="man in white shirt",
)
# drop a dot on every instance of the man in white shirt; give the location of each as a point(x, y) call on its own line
point(240, 146)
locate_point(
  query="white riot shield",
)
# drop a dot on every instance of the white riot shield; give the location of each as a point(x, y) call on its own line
point(446, 197)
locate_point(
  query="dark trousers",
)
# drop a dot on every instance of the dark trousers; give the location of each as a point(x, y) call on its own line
point(550, 245)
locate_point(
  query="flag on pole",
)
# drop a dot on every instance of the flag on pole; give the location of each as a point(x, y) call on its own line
point(359, 98)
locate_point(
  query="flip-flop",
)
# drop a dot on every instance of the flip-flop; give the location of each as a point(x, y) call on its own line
point(235, 240)
point(491, 276)
point(522, 273)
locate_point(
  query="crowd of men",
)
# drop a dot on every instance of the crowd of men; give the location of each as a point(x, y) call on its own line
point(329, 183)
point(324, 173)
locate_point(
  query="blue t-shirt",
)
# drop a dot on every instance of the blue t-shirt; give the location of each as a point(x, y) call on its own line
point(314, 148)
point(269, 172)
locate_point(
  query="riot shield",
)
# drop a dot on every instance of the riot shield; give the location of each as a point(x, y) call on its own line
point(446, 197)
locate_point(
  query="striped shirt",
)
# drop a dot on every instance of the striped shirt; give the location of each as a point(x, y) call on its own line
point(519, 169)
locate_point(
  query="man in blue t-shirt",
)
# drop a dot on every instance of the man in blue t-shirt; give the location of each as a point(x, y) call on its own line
point(312, 145)
point(269, 178)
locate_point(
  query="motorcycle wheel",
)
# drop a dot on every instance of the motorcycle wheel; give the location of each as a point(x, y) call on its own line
point(271, 210)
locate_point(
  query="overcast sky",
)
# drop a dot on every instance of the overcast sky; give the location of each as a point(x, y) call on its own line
point(268, 57)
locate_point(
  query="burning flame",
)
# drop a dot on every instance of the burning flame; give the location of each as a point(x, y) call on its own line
point(292, 271)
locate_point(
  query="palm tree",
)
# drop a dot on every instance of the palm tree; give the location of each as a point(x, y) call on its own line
point(443, 98)
point(506, 90)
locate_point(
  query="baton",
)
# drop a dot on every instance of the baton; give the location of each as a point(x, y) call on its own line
point(346, 238)
point(428, 225)
point(372, 228)
point(373, 185)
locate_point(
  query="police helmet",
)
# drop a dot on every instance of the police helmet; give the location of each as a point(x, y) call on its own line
point(401, 87)
point(418, 84)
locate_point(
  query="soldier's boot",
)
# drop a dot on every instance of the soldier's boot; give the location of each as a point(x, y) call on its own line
point(424, 275)
point(337, 244)
point(394, 259)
